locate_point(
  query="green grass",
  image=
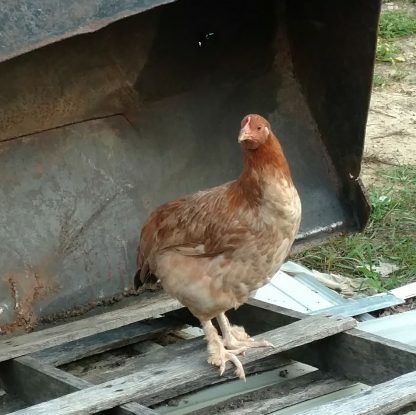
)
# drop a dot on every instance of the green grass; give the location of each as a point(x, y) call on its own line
point(396, 24)
point(379, 80)
point(387, 52)
point(390, 236)
point(393, 25)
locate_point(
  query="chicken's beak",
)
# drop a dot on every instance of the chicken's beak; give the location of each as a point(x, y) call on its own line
point(245, 132)
point(243, 137)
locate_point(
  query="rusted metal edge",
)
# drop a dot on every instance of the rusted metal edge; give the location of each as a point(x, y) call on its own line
point(32, 24)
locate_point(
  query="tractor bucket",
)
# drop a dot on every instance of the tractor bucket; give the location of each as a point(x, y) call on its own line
point(108, 109)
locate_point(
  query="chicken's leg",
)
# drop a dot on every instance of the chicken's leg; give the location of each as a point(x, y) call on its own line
point(218, 354)
point(236, 338)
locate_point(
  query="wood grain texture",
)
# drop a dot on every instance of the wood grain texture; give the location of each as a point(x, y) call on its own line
point(366, 357)
point(369, 358)
point(35, 382)
point(10, 403)
point(102, 342)
point(181, 352)
point(272, 398)
point(146, 307)
point(158, 380)
point(382, 399)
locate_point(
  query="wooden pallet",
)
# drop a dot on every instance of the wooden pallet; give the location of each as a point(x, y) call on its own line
point(33, 376)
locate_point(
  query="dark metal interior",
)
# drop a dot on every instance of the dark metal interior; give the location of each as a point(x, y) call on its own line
point(100, 128)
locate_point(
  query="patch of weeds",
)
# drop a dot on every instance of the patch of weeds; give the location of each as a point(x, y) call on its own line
point(379, 81)
point(402, 174)
point(396, 24)
point(387, 52)
point(390, 236)
point(398, 75)
point(393, 25)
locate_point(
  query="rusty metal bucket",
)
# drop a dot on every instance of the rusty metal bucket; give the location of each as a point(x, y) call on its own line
point(108, 109)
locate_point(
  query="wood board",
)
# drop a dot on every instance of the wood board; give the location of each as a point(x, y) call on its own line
point(191, 368)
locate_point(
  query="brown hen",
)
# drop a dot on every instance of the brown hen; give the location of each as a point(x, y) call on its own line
point(214, 248)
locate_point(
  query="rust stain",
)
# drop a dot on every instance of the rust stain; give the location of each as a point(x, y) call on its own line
point(26, 298)
point(93, 305)
point(26, 291)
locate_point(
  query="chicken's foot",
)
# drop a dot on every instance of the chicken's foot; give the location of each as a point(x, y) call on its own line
point(218, 355)
point(236, 337)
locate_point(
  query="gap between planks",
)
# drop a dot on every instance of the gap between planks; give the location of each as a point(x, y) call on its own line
point(109, 340)
point(147, 307)
point(180, 352)
point(354, 354)
point(385, 398)
point(155, 379)
point(272, 398)
point(35, 381)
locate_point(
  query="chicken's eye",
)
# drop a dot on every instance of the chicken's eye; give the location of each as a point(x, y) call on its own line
point(258, 128)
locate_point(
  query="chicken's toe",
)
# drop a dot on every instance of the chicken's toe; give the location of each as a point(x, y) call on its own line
point(222, 360)
point(235, 337)
point(242, 339)
point(239, 369)
point(233, 343)
point(239, 333)
point(219, 356)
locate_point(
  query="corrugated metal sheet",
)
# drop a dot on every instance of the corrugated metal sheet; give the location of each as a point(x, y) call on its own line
point(330, 397)
point(405, 291)
point(217, 393)
point(301, 291)
point(285, 291)
point(400, 327)
point(363, 305)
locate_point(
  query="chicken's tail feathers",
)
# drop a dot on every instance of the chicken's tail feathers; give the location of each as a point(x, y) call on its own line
point(142, 271)
point(144, 281)
point(137, 282)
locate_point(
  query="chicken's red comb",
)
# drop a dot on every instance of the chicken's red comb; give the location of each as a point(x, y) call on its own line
point(246, 126)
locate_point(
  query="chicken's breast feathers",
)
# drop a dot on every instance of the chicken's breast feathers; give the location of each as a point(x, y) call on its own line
point(199, 225)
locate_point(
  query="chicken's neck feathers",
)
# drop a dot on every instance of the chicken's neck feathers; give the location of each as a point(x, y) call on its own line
point(265, 172)
point(267, 159)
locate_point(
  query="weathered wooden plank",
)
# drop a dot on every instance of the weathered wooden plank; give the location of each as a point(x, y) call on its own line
point(365, 357)
point(35, 381)
point(382, 399)
point(146, 307)
point(157, 380)
point(101, 342)
point(275, 397)
point(369, 358)
point(10, 403)
point(30, 380)
point(162, 357)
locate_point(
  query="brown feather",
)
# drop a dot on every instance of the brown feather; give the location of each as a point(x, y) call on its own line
point(212, 248)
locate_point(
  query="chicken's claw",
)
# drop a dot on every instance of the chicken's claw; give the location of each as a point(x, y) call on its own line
point(249, 343)
point(239, 370)
point(236, 337)
point(221, 356)
point(265, 343)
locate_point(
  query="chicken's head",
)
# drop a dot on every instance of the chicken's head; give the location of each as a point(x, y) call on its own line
point(255, 131)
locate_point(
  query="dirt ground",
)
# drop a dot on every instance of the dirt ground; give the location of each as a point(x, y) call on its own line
point(391, 125)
